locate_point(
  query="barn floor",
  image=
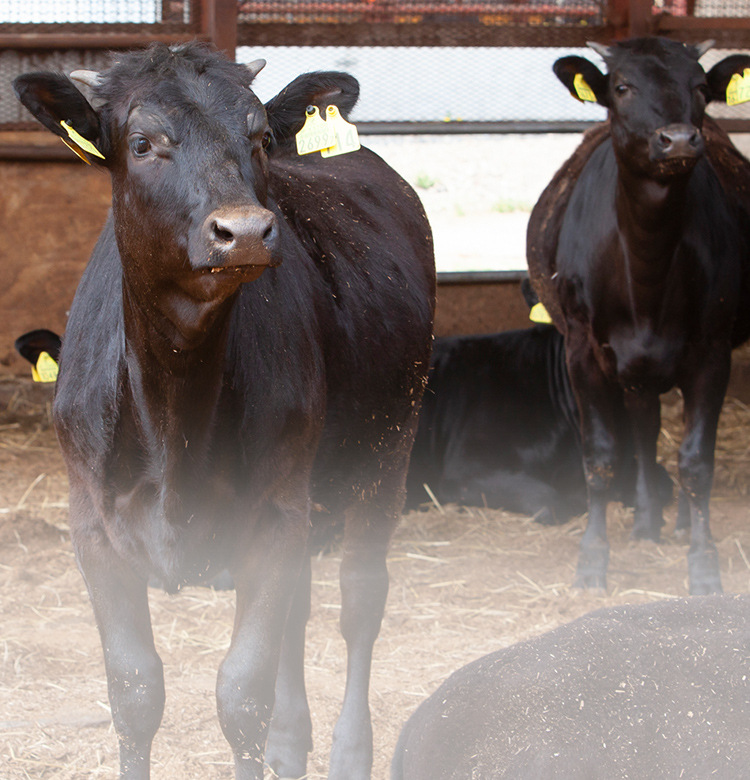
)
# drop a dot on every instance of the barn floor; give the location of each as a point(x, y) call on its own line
point(464, 582)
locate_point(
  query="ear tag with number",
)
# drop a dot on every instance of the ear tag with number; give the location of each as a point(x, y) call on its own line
point(583, 90)
point(45, 369)
point(539, 314)
point(738, 89)
point(347, 137)
point(80, 141)
point(316, 134)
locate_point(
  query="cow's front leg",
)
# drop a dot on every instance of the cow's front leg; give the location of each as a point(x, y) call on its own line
point(290, 737)
point(598, 401)
point(135, 679)
point(264, 582)
point(703, 394)
point(644, 410)
point(364, 589)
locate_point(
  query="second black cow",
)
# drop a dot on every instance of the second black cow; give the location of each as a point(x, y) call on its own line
point(639, 250)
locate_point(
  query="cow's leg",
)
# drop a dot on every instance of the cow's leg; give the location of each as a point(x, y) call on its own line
point(135, 679)
point(364, 588)
point(290, 737)
point(597, 400)
point(265, 579)
point(644, 410)
point(703, 392)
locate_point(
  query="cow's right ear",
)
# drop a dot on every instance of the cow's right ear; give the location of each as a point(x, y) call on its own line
point(53, 99)
point(583, 79)
point(721, 74)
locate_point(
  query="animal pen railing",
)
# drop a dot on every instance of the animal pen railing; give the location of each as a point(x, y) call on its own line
point(470, 50)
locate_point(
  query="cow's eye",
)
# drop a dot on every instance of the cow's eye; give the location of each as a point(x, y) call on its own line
point(621, 89)
point(140, 146)
point(267, 138)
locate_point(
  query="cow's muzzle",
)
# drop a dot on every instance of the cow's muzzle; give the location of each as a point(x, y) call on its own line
point(236, 237)
point(677, 145)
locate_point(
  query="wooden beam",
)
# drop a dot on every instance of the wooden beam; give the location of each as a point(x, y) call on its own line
point(46, 41)
point(219, 24)
point(641, 20)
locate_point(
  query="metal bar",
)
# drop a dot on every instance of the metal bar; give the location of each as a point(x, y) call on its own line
point(425, 34)
point(481, 277)
point(470, 128)
point(44, 41)
point(411, 10)
point(669, 22)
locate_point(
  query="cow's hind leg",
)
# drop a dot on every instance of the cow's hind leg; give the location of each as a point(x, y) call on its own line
point(703, 397)
point(364, 589)
point(290, 737)
point(135, 679)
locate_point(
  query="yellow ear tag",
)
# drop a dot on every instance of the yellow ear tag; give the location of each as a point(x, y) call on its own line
point(80, 141)
point(539, 314)
point(738, 89)
point(583, 90)
point(76, 151)
point(45, 369)
point(315, 134)
point(347, 137)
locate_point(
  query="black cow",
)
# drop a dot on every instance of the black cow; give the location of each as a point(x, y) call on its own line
point(639, 250)
point(499, 428)
point(202, 418)
point(654, 690)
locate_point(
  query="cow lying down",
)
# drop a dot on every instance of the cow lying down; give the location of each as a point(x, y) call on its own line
point(499, 427)
point(654, 690)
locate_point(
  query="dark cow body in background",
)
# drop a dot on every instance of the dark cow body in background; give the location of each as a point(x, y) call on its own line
point(30, 345)
point(649, 690)
point(499, 428)
point(639, 250)
point(202, 418)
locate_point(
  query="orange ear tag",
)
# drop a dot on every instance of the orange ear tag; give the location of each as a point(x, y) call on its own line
point(347, 137)
point(583, 90)
point(738, 89)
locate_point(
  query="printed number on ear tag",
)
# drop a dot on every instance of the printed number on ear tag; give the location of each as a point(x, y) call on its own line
point(45, 369)
point(79, 140)
point(583, 90)
point(347, 137)
point(316, 134)
point(738, 89)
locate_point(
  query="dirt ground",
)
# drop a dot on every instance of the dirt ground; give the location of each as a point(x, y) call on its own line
point(464, 582)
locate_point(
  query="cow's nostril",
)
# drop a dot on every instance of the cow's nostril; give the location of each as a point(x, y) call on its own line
point(221, 233)
point(270, 232)
point(665, 140)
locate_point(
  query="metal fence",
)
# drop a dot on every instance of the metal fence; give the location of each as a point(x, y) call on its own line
point(423, 65)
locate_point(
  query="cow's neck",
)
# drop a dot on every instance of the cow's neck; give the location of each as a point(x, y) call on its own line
point(650, 219)
point(175, 389)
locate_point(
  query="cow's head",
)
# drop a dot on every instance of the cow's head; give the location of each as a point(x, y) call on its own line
point(186, 142)
point(656, 94)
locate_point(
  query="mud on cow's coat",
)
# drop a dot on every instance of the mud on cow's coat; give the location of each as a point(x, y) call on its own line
point(249, 341)
point(639, 249)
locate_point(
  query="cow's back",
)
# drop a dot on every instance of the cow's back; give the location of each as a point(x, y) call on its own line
point(654, 690)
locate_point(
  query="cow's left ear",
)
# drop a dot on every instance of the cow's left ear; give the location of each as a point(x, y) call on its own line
point(53, 99)
point(583, 79)
point(286, 112)
point(721, 74)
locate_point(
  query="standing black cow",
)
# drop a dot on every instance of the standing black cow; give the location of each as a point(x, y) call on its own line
point(201, 417)
point(639, 250)
point(653, 690)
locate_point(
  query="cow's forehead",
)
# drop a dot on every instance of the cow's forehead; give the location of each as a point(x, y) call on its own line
point(655, 59)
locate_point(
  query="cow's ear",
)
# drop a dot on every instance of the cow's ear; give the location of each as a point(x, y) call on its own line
point(286, 112)
point(721, 74)
point(53, 99)
point(583, 79)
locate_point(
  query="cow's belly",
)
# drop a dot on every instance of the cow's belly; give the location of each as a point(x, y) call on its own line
point(643, 361)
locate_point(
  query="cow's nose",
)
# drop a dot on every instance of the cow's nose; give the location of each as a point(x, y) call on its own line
point(244, 235)
point(678, 141)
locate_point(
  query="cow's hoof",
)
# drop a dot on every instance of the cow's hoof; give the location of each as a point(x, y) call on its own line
point(646, 532)
point(703, 571)
point(593, 561)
